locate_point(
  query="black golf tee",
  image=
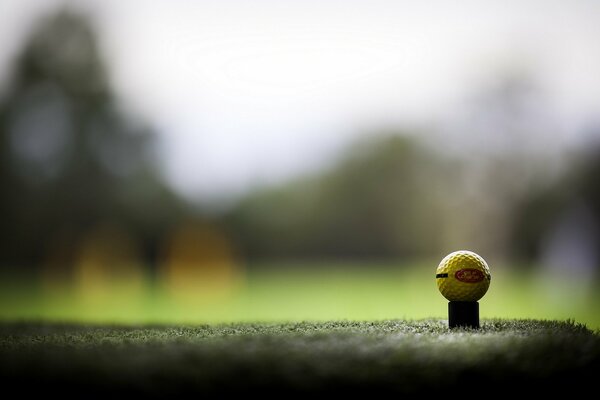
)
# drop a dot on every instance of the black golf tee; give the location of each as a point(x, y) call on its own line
point(463, 314)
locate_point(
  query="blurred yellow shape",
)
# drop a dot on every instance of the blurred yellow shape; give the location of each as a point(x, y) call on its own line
point(108, 267)
point(199, 264)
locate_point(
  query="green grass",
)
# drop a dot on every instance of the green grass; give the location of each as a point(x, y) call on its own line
point(401, 356)
point(323, 292)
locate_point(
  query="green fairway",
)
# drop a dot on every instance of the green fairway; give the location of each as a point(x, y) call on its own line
point(396, 355)
point(318, 292)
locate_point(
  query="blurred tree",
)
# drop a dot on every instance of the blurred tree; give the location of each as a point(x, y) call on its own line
point(69, 159)
point(497, 144)
point(394, 197)
point(376, 203)
point(560, 222)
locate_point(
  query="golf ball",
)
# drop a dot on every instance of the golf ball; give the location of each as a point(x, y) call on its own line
point(463, 276)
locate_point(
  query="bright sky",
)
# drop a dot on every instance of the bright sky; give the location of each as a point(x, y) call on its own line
point(255, 92)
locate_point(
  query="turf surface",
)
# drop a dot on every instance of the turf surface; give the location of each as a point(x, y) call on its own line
point(299, 292)
point(398, 356)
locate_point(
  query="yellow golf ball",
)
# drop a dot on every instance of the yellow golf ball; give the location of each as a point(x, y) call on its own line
point(463, 276)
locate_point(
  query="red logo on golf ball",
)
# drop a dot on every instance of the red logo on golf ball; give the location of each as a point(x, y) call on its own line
point(469, 275)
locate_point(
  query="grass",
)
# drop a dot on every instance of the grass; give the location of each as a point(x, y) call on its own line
point(406, 357)
point(292, 293)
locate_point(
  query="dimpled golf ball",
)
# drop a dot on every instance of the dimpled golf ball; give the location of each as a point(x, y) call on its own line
point(463, 276)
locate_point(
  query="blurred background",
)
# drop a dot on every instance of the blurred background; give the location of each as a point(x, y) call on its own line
point(214, 161)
